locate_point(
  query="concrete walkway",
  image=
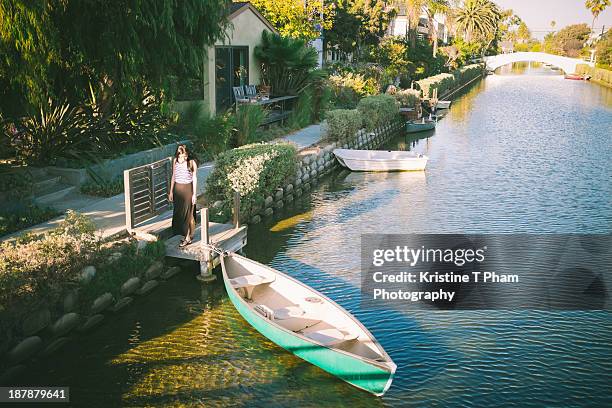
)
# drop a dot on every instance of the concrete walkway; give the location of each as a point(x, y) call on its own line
point(307, 136)
point(109, 214)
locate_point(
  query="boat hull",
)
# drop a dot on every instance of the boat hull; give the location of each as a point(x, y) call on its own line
point(443, 105)
point(376, 160)
point(356, 372)
point(412, 127)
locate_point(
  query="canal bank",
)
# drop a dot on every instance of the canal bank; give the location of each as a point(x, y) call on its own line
point(495, 166)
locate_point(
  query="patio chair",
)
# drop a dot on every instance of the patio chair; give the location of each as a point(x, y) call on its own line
point(251, 91)
point(239, 95)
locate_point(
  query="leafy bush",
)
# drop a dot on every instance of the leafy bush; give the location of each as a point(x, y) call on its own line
point(18, 184)
point(64, 135)
point(58, 131)
point(247, 121)
point(34, 271)
point(212, 135)
point(103, 187)
point(24, 216)
point(343, 123)
point(288, 65)
point(441, 82)
point(446, 82)
point(407, 97)
point(378, 110)
point(349, 88)
point(255, 171)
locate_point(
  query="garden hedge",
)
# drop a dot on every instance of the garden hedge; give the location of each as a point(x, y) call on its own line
point(342, 123)
point(446, 82)
point(378, 110)
point(255, 171)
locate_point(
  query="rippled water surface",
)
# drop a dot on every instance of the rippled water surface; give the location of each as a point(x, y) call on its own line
point(521, 152)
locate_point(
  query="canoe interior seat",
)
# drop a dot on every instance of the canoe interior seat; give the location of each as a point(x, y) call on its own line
point(248, 283)
point(291, 317)
point(331, 336)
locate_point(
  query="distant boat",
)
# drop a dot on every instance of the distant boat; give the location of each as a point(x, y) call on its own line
point(577, 77)
point(380, 160)
point(306, 323)
point(443, 104)
point(420, 125)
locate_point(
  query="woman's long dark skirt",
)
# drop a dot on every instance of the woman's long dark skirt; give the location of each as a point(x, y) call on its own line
point(183, 221)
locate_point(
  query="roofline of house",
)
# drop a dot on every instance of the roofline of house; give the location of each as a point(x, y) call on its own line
point(249, 6)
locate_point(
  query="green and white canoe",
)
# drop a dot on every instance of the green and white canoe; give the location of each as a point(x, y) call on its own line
point(307, 323)
point(420, 125)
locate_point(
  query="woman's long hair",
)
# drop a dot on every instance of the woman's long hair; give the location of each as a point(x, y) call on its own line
point(182, 149)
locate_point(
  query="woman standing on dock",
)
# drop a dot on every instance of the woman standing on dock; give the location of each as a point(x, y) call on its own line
point(183, 189)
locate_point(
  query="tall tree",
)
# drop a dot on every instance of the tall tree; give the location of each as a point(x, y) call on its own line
point(523, 33)
point(297, 18)
point(435, 7)
point(414, 9)
point(596, 7)
point(57, 48)
point(358, 24)
point(477, 18)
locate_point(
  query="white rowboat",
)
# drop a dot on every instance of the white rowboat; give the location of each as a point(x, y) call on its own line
point(380, 160)
point(306, 323)
point(443, 104)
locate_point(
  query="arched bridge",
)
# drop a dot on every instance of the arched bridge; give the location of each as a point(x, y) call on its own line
point(567, 64)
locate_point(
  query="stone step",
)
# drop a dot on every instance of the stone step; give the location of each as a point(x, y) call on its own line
point(52, 193)
point(44, 183)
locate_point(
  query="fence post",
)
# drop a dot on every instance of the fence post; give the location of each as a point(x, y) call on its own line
point(129, 222)
point(206, 261)
point(236, 209)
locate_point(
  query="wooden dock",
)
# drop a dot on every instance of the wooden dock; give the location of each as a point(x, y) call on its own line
point(149, 217)
point(226, 237)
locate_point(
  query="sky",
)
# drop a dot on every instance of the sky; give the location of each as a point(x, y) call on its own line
point(538, 14)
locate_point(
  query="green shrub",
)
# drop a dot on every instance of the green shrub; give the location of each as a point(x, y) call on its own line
point(24, 216)
point(212, 135)
point(349, 88)
point(247, 121)
point(103, 187)
point(343, 123)
point(446, 82)
point(288, 65)
point(17, 184)
point(407, 97)
point(35, 271)
point(255, 171)
point(441, 82)
point(378, 110)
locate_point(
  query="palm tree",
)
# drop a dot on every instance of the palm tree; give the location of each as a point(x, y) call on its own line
point(596, 7)
point(414, 9)
point(478, 17)
point(435, 7)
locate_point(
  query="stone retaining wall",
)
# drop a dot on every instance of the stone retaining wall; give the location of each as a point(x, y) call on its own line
point(47, 330)
point(317, 162)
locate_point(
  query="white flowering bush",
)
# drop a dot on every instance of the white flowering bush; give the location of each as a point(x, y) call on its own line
point(255, 171)
point(407, 97)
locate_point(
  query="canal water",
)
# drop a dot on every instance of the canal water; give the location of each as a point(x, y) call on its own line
point(523, 151)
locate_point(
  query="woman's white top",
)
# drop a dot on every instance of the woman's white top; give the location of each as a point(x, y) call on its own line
point(182, 174)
